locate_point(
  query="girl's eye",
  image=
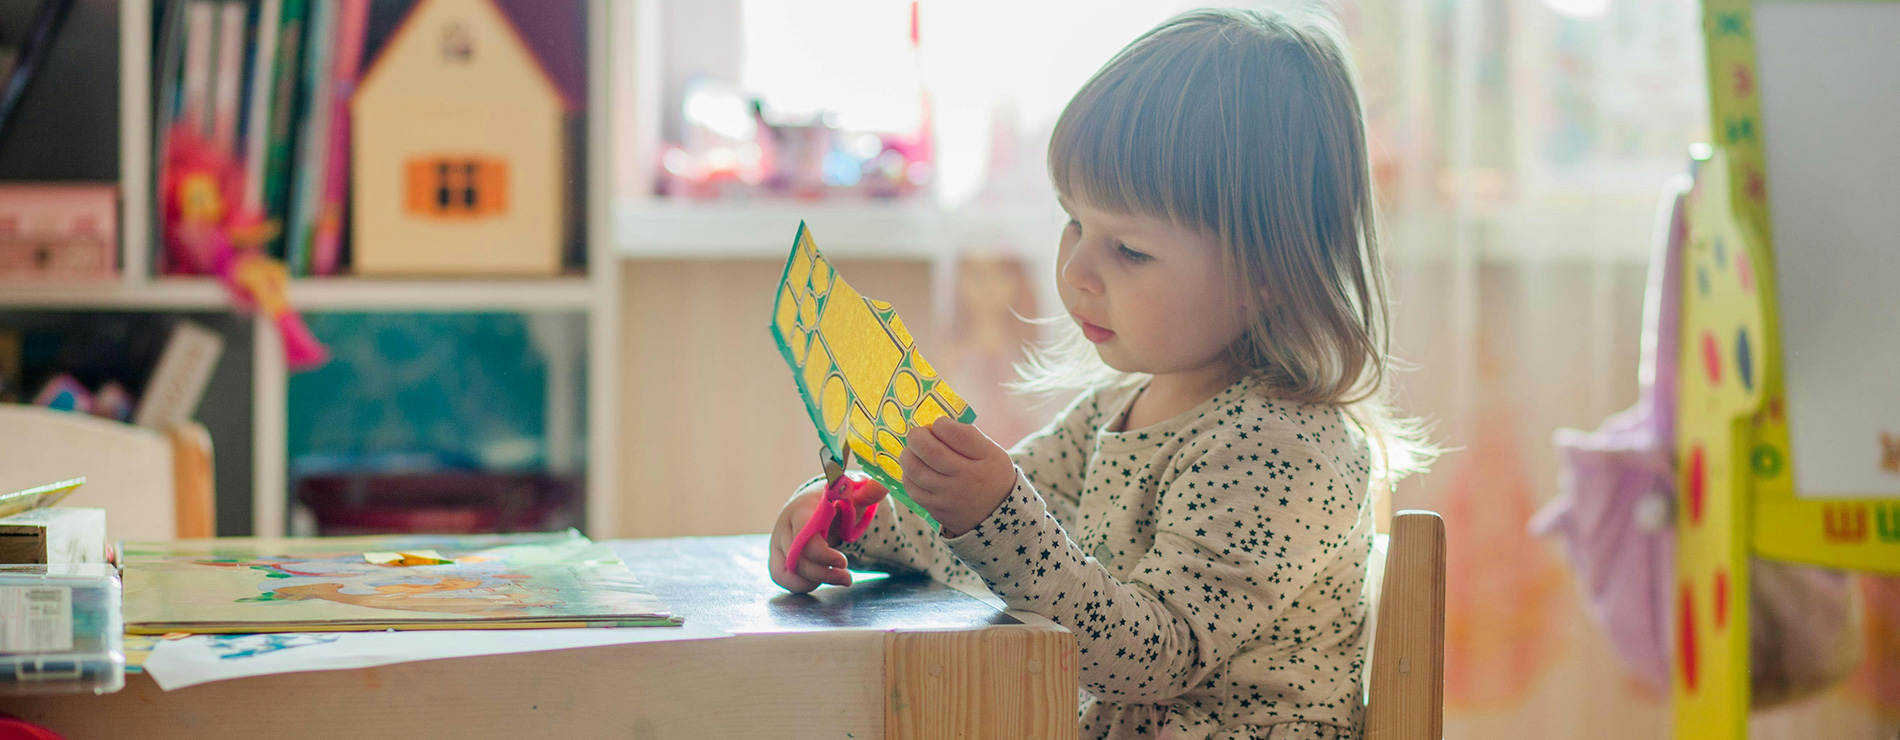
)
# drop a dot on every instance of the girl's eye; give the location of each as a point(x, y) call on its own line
point(1132, 255)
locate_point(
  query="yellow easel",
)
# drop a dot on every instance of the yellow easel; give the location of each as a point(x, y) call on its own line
point(1736, 486)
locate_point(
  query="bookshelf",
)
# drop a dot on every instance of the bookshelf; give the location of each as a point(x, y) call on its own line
point(593, 295)
point(339, 293)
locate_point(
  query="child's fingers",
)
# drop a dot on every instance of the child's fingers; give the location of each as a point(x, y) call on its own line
point(783, 533)
point(821, 564)
point(919, 474)
point(932, 451)
point(963, 439)
point(823, 554)
point(788, 578)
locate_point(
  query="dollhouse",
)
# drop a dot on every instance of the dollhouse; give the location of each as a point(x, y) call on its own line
point(458, 158)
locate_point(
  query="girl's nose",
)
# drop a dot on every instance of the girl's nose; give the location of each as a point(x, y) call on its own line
point(1078, 270)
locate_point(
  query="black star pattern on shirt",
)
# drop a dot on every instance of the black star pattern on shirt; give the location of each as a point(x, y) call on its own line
point(1211, 566)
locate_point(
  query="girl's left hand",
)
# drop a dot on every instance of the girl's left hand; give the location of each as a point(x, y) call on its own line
point(956, 473)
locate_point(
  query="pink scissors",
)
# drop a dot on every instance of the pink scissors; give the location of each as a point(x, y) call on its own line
point(845, 506)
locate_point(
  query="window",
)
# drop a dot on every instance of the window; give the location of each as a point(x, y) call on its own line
point(458, 187)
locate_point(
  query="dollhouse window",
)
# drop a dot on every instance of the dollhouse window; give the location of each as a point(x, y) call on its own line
point(457, 44)
point(457, 187)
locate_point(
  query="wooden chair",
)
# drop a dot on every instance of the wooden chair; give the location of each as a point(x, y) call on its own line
point(1407, 689)
point(153, 485)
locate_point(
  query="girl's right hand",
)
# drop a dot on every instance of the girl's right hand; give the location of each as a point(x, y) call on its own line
point(820, 563)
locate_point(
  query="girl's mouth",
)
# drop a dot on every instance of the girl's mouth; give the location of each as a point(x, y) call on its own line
point(1094, 333)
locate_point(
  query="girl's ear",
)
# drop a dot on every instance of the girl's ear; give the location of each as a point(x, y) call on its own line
point(1263, 301)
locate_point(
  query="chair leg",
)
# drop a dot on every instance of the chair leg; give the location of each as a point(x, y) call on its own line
point(1407, 698)
point(193, 490)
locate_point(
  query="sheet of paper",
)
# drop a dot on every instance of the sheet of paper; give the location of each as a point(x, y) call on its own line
point(243, 586)
point(856, 366)
point(1831, 184)
point(200, 659)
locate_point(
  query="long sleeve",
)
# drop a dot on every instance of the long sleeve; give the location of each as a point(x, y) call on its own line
point(1243, 524)
point(1054, 456)
point(1055, 459)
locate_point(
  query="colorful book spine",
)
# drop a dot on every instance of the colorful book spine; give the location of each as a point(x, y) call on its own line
point(227, 92)
point(190, 108)
point(258, 103)
point(201, 37)
point(167, 85)
point(327, 243)
point(313, 144)
point(282, 133)
point(168, 69)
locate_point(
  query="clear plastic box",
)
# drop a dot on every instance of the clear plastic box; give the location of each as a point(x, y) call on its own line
point(61, 629)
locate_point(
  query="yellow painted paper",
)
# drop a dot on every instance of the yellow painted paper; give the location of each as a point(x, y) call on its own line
point(38, 497)
point(856, 367)
point(407, 557)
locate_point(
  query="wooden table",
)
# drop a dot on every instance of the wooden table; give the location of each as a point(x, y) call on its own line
point(898, 658)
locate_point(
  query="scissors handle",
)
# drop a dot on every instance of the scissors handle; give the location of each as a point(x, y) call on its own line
point(838, 502)
point(819, 525)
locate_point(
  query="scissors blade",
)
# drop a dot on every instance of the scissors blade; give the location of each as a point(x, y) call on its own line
point(834, 466)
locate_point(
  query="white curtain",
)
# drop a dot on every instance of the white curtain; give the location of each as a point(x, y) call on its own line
point(1523, 147)
point(1520, 149)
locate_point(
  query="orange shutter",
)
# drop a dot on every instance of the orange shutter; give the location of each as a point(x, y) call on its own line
point(428, 177)
point(421, 186)
point(491, 187)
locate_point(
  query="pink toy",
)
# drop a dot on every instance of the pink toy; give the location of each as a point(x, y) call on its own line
point(851, 500)
point(204, 236)
point(63, 393)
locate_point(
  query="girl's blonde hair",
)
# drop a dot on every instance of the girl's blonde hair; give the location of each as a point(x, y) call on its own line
point(1247, 126)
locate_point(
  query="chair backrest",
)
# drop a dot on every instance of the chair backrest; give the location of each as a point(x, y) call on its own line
point(1407, 690)
point(153, 485)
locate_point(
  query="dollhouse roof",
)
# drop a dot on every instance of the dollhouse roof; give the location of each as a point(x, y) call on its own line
point(551, 32)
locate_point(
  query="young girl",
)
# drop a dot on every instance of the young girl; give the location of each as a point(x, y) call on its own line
point(1199, 517)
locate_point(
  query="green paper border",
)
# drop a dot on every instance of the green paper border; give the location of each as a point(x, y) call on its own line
point(836, 443)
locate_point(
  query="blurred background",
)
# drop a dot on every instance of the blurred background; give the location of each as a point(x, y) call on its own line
point(612, 371)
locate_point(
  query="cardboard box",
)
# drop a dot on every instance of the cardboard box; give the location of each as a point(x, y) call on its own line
point(55, 535)
point(59, 232)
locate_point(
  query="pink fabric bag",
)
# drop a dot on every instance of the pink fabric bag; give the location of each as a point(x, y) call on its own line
point(1614, 515)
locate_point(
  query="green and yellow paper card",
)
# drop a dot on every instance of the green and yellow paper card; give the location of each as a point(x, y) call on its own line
point(857, 368)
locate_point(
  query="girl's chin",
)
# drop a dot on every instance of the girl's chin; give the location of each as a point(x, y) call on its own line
point(1113, 359)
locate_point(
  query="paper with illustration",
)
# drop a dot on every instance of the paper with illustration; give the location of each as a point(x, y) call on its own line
point(326, 584)
point(856, 367)
point(197, 659)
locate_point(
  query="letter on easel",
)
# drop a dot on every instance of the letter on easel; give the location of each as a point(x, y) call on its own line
point(1889, 516)
point(1890, 452)
point(1845, 522)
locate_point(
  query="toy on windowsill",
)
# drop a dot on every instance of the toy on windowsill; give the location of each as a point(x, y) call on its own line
point(732, 148)
point(203, 235)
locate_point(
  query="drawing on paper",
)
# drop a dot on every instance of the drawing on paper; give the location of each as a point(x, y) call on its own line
point(230, 647)
point(323, 584)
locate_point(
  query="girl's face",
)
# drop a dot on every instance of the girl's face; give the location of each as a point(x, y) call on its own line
point(1150, 294)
